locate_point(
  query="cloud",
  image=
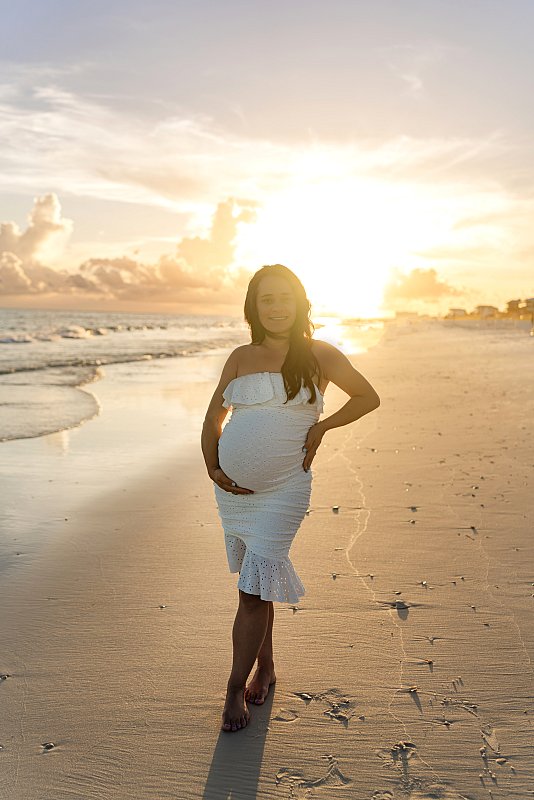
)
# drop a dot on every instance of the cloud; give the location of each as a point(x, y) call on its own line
point(201, 270)
point(47, 231)
point(45, 235)
point(418, 285)
point(414, 83)
point(17, 277)
point(96, 146)
point(89, 146)
point(408, 62)
point(83, 146)
point(415, 64)
point(218, 250)
point(13, 279)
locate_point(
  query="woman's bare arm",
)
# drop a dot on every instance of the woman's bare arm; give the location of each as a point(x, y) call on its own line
point(362, 396)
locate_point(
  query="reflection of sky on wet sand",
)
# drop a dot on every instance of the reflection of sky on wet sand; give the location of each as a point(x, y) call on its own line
point(150, 412)
point(350, 338)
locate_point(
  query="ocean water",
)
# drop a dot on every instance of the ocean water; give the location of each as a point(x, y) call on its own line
point(47, 357)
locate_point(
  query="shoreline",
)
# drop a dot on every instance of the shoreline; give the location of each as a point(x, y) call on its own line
point(147, 415)
point(70, 385)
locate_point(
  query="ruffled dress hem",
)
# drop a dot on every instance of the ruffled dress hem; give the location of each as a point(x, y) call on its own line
point(271, 578)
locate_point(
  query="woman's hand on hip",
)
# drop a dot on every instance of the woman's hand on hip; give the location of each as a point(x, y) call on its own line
point(224, 482)
point(313, 440)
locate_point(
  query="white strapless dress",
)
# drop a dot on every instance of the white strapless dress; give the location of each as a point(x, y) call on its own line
point(260, 448)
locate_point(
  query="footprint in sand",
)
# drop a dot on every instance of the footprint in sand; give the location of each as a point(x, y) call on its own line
point(340, 707)
point(286, 715)
point(300, 786)
point(490, 737)
point(341, 711)
point(401, 751)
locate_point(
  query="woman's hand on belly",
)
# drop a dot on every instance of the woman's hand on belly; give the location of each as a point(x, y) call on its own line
point(224, 482)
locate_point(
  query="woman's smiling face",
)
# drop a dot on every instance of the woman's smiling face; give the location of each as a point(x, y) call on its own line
point(275, 301)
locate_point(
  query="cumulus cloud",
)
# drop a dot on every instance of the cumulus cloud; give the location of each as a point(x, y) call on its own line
point(13, 279)
point(19, 277)
point(21, 271)
point(218, 249)
point(201, 270)
point(418, 285)
point(47, 231)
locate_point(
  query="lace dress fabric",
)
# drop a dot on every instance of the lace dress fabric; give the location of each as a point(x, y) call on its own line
point(260, 448)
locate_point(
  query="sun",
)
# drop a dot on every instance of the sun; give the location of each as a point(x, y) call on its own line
point(341, 237)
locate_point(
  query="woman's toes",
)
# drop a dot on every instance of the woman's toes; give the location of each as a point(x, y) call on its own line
point(226, 726)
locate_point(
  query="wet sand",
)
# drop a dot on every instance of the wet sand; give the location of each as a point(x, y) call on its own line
point(405, 671)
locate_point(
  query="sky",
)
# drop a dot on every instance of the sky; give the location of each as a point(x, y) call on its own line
point(154, 155)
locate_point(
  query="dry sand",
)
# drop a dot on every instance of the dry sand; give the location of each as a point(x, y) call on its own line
point(405, 671)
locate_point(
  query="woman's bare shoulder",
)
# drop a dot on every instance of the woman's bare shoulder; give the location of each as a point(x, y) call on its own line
point(237, 357)
point(242, 353)
point(318, 346)
point(245, 356)
point(244, 349)
point(322, 351)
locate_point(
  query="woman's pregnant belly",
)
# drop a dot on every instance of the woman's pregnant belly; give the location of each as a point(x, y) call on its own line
point(261, 449)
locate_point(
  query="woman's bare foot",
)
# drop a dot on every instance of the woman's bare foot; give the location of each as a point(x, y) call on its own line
point(235, 713)
point(258, 688)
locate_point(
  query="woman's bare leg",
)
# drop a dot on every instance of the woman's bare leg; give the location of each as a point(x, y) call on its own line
point(248, 634)
point(257, 690)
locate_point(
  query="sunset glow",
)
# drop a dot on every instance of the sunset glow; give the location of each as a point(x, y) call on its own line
point(343, 236)
point(390, 169)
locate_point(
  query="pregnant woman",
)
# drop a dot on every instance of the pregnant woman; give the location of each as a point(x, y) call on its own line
point(260, 462)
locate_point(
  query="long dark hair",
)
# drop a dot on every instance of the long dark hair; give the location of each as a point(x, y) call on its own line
point(300, 364)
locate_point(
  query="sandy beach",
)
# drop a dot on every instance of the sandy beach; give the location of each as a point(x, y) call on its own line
point(405, 671)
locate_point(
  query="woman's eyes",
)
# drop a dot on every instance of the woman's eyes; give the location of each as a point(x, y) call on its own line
point(270, 300)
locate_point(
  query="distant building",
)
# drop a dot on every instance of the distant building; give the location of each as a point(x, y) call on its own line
point(486, 312)
point(517, 312)
point(406, 315)
point(455, 313)
point(526, 308)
